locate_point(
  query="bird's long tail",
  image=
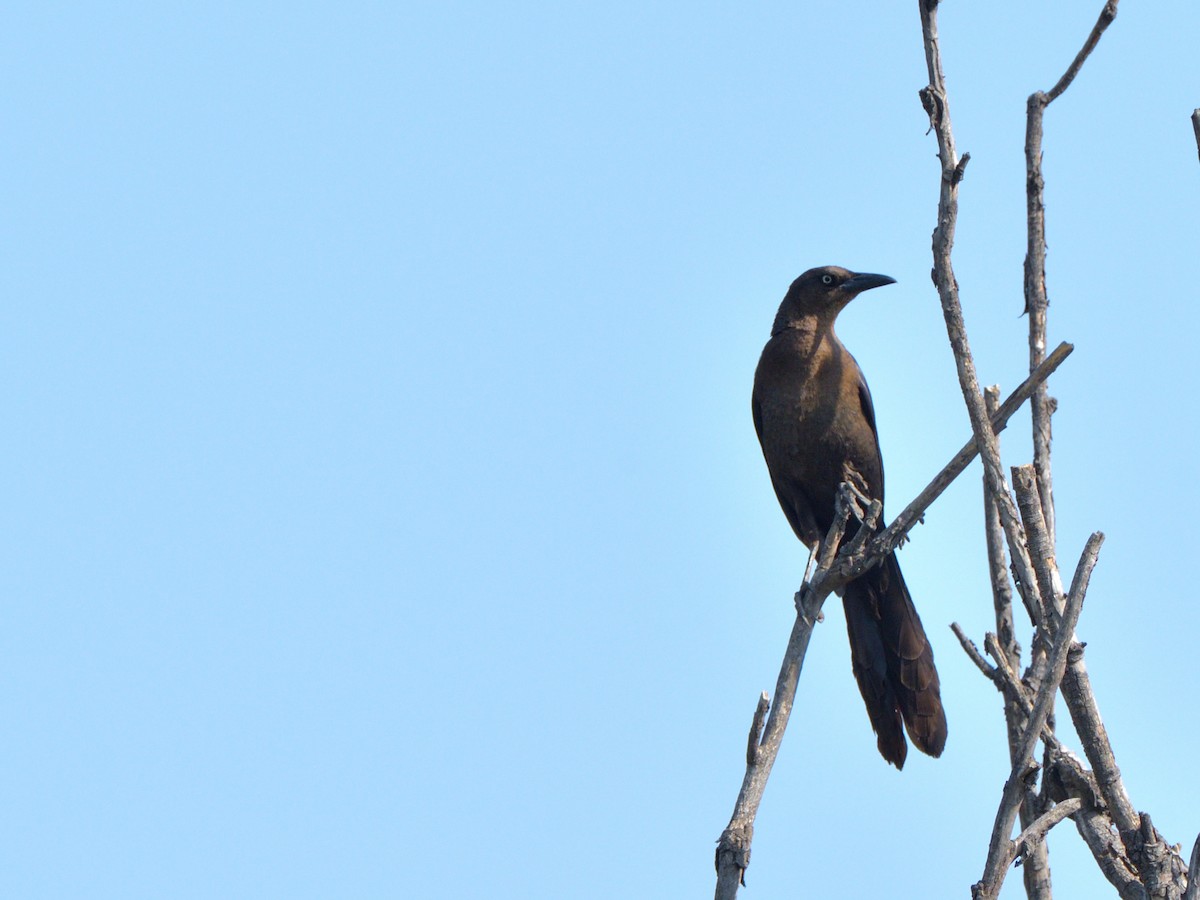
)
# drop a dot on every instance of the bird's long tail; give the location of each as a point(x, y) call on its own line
point(893, 663)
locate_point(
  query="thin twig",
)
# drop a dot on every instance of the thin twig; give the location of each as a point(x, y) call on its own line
point(1036, 832)
point(1006, 680)
point(968, 645)
point(1106, 17)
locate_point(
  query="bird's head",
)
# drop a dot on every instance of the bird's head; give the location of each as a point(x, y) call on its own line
point(822, 293)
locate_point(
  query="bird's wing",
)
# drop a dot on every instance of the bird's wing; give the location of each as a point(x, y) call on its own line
point(868, 408)
point(792, 497)
point(868, 411)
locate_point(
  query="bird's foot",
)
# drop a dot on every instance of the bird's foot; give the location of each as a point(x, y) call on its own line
point(801, 596)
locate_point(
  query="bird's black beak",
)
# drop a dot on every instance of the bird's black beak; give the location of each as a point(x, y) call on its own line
point(864, 281)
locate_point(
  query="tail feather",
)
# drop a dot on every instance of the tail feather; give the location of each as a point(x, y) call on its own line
point(893, 664)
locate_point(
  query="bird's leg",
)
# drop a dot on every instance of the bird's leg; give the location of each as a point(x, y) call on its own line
point(812, 559)
point(802, 594)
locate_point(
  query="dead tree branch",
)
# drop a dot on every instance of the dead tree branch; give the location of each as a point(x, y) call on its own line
point(968, 645)
point(937, 106)
point(1030, 538)
point(1004, 649)
point(891, 537)
point(733, 847)
point(1036, 833)
point(1036, 301)
point(1000, 850)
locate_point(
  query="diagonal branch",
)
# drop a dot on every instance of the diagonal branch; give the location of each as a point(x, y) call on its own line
point(989, 671)
point(1000, 849)
point(1035, 869)
point(936, 104)
point(1036, 833)
point(891, 537)
point(1106, 17)
point(733, 847)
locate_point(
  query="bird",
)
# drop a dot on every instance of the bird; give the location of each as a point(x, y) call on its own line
point(816, 424)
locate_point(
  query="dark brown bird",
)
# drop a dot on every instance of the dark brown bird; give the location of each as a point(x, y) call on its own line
point(816, 424)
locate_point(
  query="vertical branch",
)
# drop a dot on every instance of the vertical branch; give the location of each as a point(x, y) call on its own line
point(998, 559)
point(1036, 302)
point(1036, 869)
point(1041, 545)
point(937, 106)
point(1035, 294)
point(1196, 127)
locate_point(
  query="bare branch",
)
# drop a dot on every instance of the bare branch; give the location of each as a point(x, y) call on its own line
point(999, 847)
point(1002, 646)
point(997, 557)
point(1007, 681)
point(1106, 17)
point(1085, 714)
point(936, 104)
point(1109, 852)
point(968, 645)
point(1036, 832)
point(1041, 547)
point(891, 537)
point(1036, 301)
point(733, 847)
point(1160, 869)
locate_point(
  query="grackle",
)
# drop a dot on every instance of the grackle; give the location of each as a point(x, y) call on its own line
point(816, 424)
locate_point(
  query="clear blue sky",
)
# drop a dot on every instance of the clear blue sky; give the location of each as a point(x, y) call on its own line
point(383, 515)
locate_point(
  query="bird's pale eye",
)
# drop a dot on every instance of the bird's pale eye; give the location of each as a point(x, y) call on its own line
point(826, 279)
